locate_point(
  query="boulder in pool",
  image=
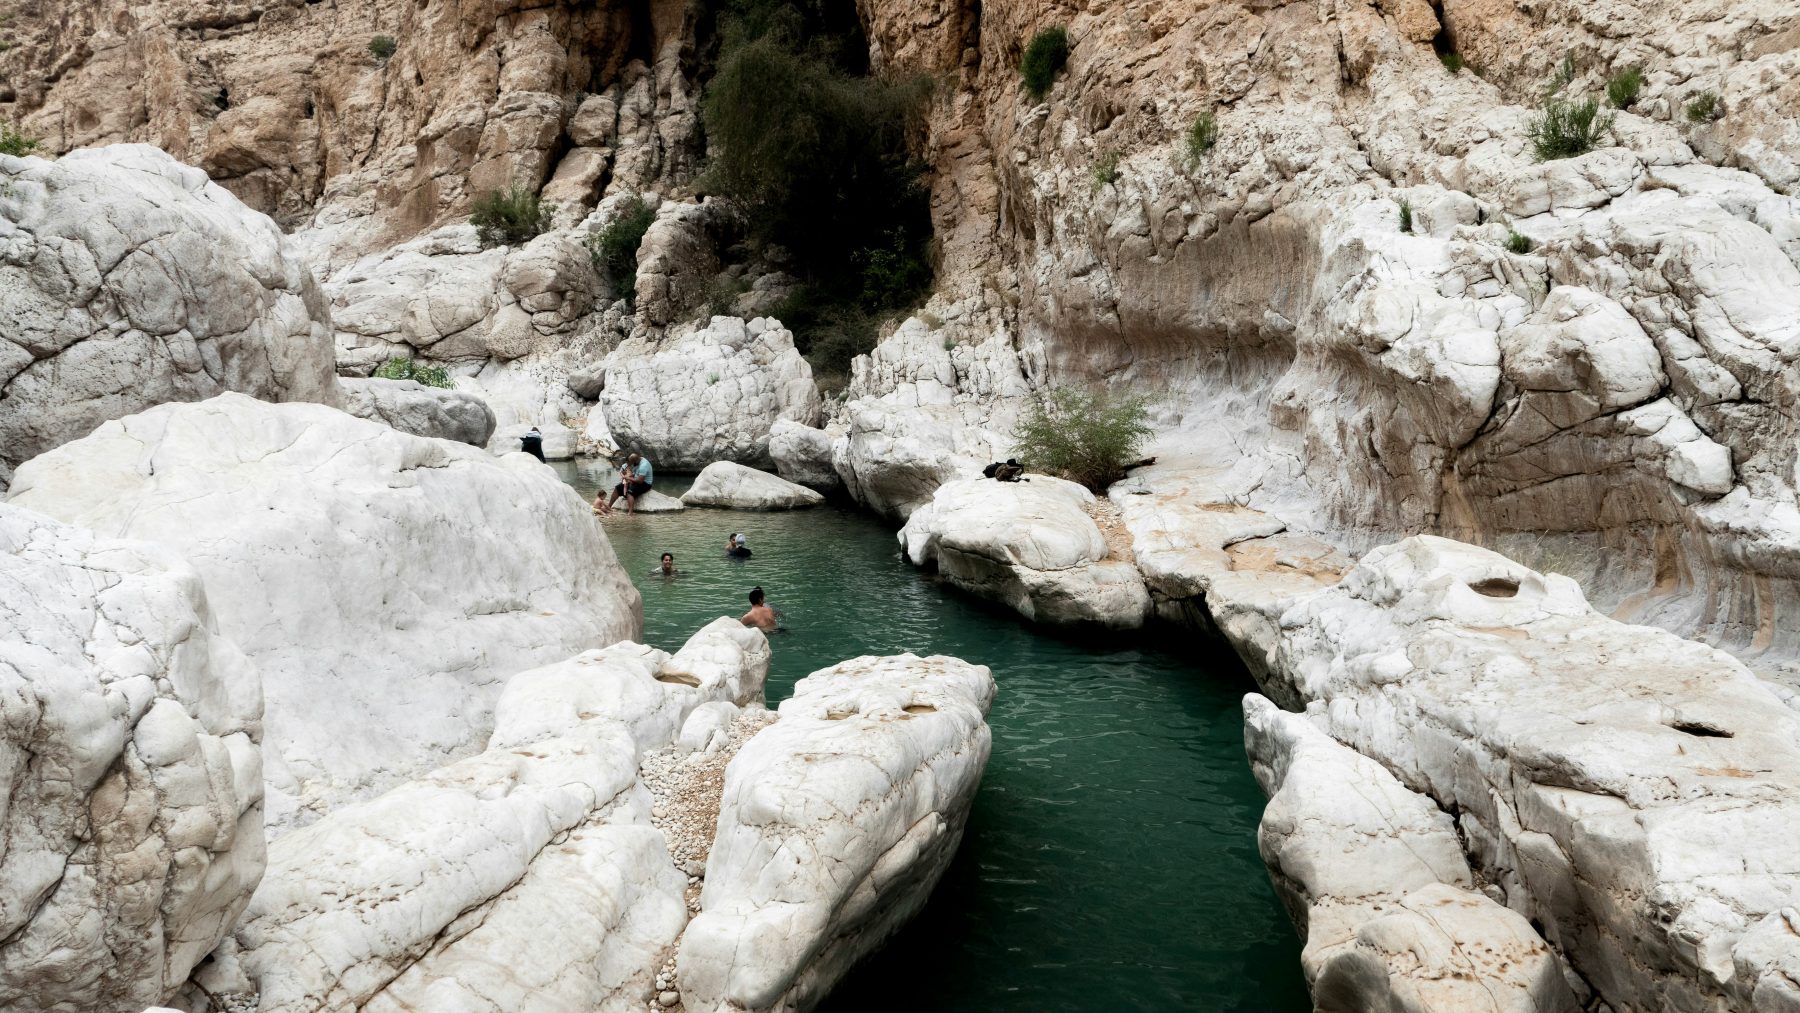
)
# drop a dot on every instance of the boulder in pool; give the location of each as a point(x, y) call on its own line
point(412, 407)
point(803, 455)
point(1030, 545)
point(836, 823)
point(730, 486)
point(128, 735)
point(1374, 877)
point(528, 876)
point(652, 502)
point(384, 584)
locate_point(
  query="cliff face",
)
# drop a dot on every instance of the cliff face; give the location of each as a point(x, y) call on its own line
point(286, 105)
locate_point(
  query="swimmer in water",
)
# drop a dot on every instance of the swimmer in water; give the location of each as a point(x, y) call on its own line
point(666, 568)
point(760, 615)
point(737, 547)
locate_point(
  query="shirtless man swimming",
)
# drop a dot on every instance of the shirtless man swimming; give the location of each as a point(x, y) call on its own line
point(760, 615)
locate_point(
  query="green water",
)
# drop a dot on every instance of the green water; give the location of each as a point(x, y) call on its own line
point(1110, 861)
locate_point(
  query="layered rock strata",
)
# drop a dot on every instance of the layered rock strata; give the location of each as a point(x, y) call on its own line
point(1032, 545)
point(130, 279)
point(384, 584)
point(133, 826)
point(729, 486)
point(835, 824)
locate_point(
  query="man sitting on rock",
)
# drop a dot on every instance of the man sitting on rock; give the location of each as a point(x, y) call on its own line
point(634, 481)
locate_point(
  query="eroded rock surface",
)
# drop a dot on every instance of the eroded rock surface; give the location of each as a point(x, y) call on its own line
point(133, 828)
point(803, 455)
point(412, 407)
point(731, 486)
point(1032, 545)
point(384, 584)
point(130, 280)
point(835, 824)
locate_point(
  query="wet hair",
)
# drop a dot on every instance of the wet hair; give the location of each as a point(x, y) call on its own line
point(670, 556)
point(756, 596)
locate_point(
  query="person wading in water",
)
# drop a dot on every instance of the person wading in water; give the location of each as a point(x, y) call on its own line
point(760, 615)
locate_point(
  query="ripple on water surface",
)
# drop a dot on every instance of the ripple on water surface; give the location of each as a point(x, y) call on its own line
point(1110, 861)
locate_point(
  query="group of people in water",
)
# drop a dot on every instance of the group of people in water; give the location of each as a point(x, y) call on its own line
point(761, 615)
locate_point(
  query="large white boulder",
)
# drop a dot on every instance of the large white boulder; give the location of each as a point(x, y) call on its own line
point(131, 279)
point(526, 877)
point(707, 393)
point(835, 824)
point(732, 486)
point(1375, 878)
point(383, 583)
point(1633, 793)
point(132, 828)
point(412, 407)
point(803, 455)
point(1031, 545)
point(893, 458)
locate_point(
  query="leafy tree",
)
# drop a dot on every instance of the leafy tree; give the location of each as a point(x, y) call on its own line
point(614, 248)
point(1082, 435)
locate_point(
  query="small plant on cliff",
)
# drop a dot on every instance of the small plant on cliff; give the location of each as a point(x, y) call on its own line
point(1703, 107)
point(17, 143)
point(1082, 435)
point(1622, 88)
point(1518, 242)
point(1406, 222)
point(510, 217)
point(1565, 128)
point(1453, 62)
point(1202, 136)
point(1044, 57)
point(407, 369)
point(382, 46)
point(1106, 170)
point(614, 249)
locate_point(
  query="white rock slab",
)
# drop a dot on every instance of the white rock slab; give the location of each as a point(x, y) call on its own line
point(132, 828)
point(835, 824)
point(383, 583)
point(730, 486)
point(412, 407)
point(1030, 545)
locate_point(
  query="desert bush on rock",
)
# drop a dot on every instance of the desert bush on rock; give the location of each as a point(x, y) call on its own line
point(17, 143)
point(1453, 62)
point(1406, 221)
point(510, 217)
point(614, 249)
point(1106, 170)
point(1622, 88)
point(382, 46)
point(1518, 242)
point(1202, 136)
point(1082, 435)
point(1044, 57)
point(407, 369)
point(1703, 107)
point(1565, 128)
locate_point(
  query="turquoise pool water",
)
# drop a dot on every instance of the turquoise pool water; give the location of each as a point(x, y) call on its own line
point(1110, 861)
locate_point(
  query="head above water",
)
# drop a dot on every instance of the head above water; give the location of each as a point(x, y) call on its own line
point(756, 596)
point(668, 557)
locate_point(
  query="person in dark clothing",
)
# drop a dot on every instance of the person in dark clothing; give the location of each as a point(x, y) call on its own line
point(533, 443)
point(737, 547)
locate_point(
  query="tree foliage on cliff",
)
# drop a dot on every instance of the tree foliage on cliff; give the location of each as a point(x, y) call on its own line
point(813, 154)
point(407, 369)
point(1044, 57)
point(510, 217)
point(614, 249)
point(1082, 435)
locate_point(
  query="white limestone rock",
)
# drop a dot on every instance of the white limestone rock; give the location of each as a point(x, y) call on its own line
point(131, 279)
point(528, 876)
point(893, 458)
point(132, 829)
point(412, 407)
point(707, 393)
point(835, 824)
point(383, 583)
point(730, 486)
point(1374, 877)
point(803, 455)
point(1031, 545)
point(1632, 792)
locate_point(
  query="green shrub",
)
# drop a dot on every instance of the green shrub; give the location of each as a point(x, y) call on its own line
point(1106, 170)
point(1566, 128)
point(1202, 135)
point(1081, 435)
point(614, 249)
point(891, 275)
point(14, 142)
point(510, 217)
point(407, 369)
point(1518, 242)
point(382, 46)
point(1622, 88)
point(1044, 57)
point(1406, 222)
point(1703, 107)
point(1453, 62)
